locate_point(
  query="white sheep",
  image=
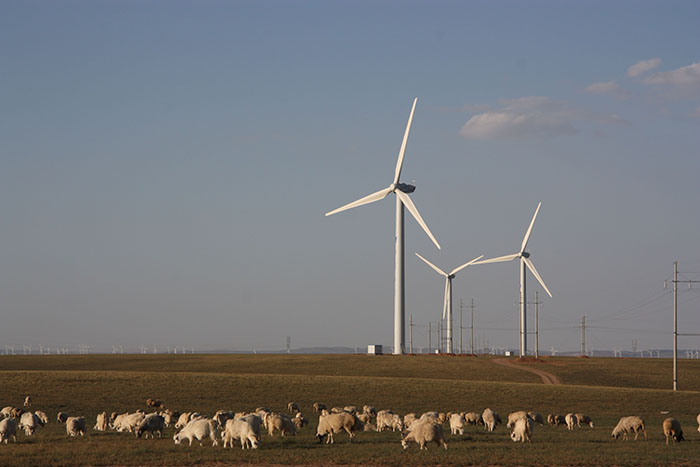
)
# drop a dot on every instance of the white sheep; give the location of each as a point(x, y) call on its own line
point(626, 425)
point(299, 421)
point(242, 429)
point(75, 426)
point(423, 432)
point(522, 430)
point(8, 429)
point(672, 429)
point(515, 416)
point(457, 423)
point(583, 418)
point(409, 418)
point(42, 416)
point(28, 401)
point(335, 423)
point(556, 420)
point(491, 419)
point(318, 407)
point(698, 420)
point(293, 407)
point(473, 418)
point(368, 409)
point(281, 423)
point(198, 429)
point(389, 420)
point(129, 422)
point(152, 423)
point(61, 417)
point(29, 423)
point(183, 419)
point(571, 421)
point(101, 422)
point(221, 416)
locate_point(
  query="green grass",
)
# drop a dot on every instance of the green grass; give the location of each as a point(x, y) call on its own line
point(606, 389)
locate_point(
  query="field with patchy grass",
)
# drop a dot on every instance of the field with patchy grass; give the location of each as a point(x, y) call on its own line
point(606, 389)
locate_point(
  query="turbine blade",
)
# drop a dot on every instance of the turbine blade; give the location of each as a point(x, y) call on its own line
point(456, 270)
point(532, 269)
point(406, 200)
point(500, 259)
point(529, 229)
point(444, 302)
point(381, 194)
point(399, 162)
point(437, 269)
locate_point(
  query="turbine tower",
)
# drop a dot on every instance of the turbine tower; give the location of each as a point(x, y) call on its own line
point(401, 190)
point(524, 257)
point(447, 302)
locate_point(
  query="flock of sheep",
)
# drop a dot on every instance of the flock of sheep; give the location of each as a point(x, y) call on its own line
point(246, 427)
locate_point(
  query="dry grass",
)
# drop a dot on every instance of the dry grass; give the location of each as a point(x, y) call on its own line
point(86, 385)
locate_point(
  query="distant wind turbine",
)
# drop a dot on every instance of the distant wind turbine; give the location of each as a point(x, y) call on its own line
point(524, 257)
point(401, 190)
point(447, 302)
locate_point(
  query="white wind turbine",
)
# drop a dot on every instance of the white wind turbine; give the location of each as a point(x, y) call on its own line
point(447, 302)
point(401, 190)
point(524, 257)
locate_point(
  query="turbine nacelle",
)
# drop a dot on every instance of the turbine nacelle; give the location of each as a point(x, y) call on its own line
point(525, 254)
point(405, 187)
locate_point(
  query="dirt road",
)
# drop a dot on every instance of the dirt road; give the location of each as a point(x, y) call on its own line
point(547, 378)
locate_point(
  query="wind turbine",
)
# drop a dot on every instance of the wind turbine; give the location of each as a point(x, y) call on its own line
point(401, 190)
point(447, 302)
point(524, 257)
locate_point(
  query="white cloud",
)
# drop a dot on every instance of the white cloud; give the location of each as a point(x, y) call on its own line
point(526, 117)
point(684, 76)
point(642, 67)
point(609, 87)
point(533, 117)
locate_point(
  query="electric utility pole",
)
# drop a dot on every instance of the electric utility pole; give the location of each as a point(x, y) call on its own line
point(472, 328)
point(460, 326)
point(675, 322)
point(583, 336)
point(410, 333)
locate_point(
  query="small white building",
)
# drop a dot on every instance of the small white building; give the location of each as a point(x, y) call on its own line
point(374, 349)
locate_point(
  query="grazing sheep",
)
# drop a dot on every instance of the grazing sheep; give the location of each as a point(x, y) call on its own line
point(29, 423)
point(457, 423)
point(368, 409)
point(673, 429)
point(152, 423)
point(42, 416)
point(299, 421)
point(281, 423)
point(491, 419)
point(75, 426)
point(409, 418)
point(293, 407)
point(28, 401)
point(556, 420)
point(583, 418)
point(423, 432)
point(170, 416)
point(242, 429)
point(522, 430)
point(389, 420)
point(473, 418)
point(128, 422)
point(222, 416)
point(571, 421)
point(16, 412)
point(101, 422)
point(364, 417)
point(7, 411)
point(318, 407)
point(350, 409)
point(8, 429)
point(61, 417)
point(183, 420)
point(698, 420)
point(198, 429)
point(515, 416)
point(626, 425)
point(537, 418)
point(155, 403)
point(335, 423)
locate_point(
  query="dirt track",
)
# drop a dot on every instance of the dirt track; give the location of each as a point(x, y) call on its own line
point(547, 378)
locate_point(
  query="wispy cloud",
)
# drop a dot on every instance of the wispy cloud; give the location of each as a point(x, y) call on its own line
point(611, 88)
point(533, 117)
point(684, 76)
point(642, 67)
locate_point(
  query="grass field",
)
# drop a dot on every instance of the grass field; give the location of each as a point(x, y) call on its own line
point(606, 389)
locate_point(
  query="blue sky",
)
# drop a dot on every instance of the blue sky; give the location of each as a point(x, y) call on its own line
point(166, 167)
